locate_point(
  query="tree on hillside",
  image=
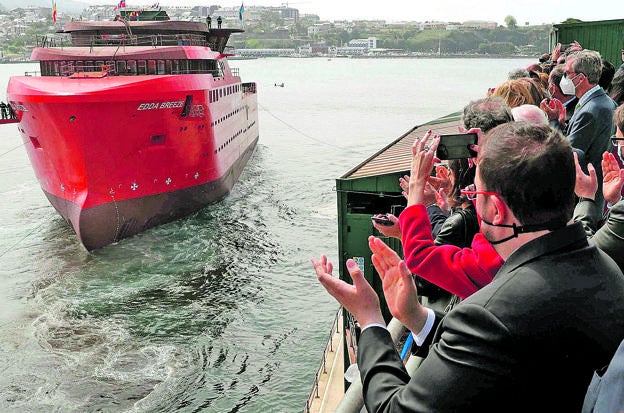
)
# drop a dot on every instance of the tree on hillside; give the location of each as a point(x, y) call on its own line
point(511, 22)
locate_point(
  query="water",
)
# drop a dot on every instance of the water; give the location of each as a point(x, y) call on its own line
point(218, 312)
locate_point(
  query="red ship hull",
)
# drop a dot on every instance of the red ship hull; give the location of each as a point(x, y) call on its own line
point(117, 155)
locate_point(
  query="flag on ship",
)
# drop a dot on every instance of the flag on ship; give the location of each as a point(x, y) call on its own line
point(54, 12)
point(241, 12)
point(121, 5)
point(155, 5)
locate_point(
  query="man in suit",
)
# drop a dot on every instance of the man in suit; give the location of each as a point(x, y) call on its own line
point(591, 125)
point(527, 341)
point(610, 236)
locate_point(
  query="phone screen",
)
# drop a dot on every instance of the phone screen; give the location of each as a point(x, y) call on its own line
point(456, 146)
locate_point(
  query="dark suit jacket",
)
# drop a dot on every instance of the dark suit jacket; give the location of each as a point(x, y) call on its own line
point(589, 130)
point(610, 236)
point(528, 341)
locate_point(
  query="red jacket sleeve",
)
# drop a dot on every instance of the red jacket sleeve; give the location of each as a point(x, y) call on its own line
point(461, 271)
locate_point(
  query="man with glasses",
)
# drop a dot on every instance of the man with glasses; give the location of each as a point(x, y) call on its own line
point(591, 125)
point(529, 340)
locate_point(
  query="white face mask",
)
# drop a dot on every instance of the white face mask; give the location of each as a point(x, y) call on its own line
point(567, 85)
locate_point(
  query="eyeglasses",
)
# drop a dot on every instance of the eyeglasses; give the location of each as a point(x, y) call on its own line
point(471, 193)
point(615, 140)
point(568, 75)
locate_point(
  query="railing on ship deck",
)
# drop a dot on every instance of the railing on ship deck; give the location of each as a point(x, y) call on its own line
point(353, 400)
point(101, 40)
point(314, 393)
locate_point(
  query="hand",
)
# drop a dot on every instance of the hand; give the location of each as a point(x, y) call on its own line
point(557, 105)
point(471, 161)
point(429, 194)
point(554, 109)
point(398, 286)
point(404, 184)
point(556, 53)
point(393, 231)
point(613, 178)
point(422, 164)
point(575, 47)
point(441, 179)
point(585, 185)
point(442, 201)
point(359, 299)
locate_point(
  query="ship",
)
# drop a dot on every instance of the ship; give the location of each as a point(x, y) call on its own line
point(134, 122)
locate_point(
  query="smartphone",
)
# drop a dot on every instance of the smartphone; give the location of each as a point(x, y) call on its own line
point(456, 146)
point(383, 220)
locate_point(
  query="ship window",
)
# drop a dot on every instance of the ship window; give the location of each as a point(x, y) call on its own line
point(141, 67)
point(157, 140)
point(132, 68)
point(161, 67)
point(99, 65)
point(151, 67)
point(168, 67)
point(121, 67)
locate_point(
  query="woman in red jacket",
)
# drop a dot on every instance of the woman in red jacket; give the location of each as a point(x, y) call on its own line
point(461, 271)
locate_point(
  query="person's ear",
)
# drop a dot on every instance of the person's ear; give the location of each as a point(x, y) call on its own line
point(501, 211)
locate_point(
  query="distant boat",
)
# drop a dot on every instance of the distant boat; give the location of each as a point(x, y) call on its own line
point(138, 122)
point(279, 84)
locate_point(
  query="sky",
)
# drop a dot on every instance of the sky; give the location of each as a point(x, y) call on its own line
point(532, 11)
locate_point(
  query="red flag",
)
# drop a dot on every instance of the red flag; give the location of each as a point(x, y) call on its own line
point(54, 12)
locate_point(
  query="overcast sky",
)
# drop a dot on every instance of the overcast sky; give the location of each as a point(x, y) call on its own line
point(532, 11)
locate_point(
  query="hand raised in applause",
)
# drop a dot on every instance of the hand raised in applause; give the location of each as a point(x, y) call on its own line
point(575, 46)
point(613, 178)
point(404, 184)
point(359, 299)
point(585, 186)
point(554, 56)
point(398, 286)
point(554, 110)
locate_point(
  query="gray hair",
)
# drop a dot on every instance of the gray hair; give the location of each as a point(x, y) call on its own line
point(486, 113)
point(589, 63)
point(518, 73)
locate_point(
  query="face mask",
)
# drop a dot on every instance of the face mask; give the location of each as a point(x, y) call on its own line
point(619, 152)
point(567, 85)
point(523, 229)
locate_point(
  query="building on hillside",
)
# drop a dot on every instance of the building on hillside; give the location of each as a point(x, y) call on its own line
point(369, 43)
point(290, 13)
point(319, 28)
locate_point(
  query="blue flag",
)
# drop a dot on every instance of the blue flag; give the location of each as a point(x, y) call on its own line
point(240, 12)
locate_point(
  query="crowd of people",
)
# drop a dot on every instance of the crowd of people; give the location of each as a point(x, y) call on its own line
point(528, 236)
